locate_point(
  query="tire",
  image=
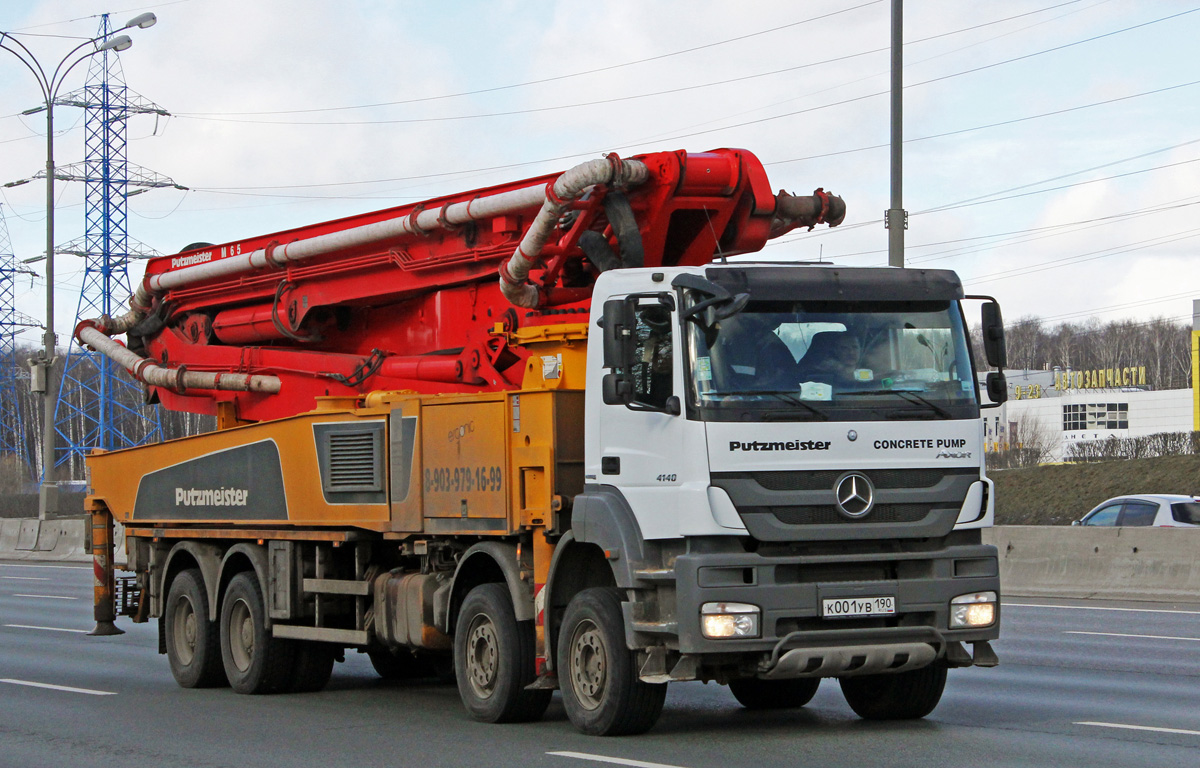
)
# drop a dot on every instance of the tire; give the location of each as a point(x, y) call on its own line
point(597, 674)
point(494, 659)
point(753, 693)
point(193, 642)
point(313, 666)
point(902, 696)
point(255, 662)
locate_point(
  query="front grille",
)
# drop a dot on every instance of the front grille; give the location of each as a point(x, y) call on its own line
point(820, 480)
point(828, 515)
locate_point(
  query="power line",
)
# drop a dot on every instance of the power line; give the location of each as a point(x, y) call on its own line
point(696, 133)
point(552, 79)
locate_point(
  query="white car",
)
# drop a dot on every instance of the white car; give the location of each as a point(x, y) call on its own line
point(1164, 510)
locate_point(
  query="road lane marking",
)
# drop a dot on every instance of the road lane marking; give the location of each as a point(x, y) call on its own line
point(48, 629)
point(1143, 728)
point(66, 688)
point(26, 578)
point(612, 760)
point(64, 567)
point(1099, 608)
point(49, 597)
point(1119, 634)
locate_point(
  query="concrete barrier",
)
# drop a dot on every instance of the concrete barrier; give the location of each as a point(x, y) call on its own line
point(1159, 564)
point(61, 540)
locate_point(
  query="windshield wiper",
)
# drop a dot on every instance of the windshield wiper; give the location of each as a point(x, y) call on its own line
point(908, 395)
point(791, 399)
point(785, 395)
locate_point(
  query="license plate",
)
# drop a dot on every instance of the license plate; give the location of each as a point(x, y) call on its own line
point(838, 607)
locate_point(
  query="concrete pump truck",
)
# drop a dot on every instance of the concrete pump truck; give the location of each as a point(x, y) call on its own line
point(627, 460)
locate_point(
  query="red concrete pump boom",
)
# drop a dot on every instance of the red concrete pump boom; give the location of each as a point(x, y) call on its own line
point(408, 297)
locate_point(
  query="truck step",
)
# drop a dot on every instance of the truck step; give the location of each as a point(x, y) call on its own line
point(656, 627)
point(325, 634)
point(337, 586)
point(656, 574)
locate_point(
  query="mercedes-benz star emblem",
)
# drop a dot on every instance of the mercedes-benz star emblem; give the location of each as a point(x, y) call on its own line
point(855, 494)
point(852, 435)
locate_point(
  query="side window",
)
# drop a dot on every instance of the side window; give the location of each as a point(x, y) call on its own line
point(653, 364)
point(1104, 516)
point(1186, 512)
point(1139, 513)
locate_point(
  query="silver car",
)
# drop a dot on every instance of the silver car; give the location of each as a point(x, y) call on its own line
point(1164, 510)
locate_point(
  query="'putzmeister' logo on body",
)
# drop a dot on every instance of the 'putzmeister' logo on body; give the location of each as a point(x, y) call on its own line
point(211, 497)
point(789, 445)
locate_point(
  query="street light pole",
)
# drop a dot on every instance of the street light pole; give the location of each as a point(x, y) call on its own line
point(43, 373)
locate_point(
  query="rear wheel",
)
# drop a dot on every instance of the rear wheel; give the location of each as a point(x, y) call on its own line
point(597, 672)
point(902, 696)
point(255, 662)
point(193, 642)
point(753, 693)
point(494, 659)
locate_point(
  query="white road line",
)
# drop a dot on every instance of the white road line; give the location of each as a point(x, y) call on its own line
point(1143, 728)
point(27, 565)
point(66, 688)
point(612, 760)
point(26, 578)
point(49, 597)
point(1098, 608)
point(47, 629)
point(1118, 634)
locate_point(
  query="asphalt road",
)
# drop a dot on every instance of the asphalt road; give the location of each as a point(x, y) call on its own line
point(1081, 683)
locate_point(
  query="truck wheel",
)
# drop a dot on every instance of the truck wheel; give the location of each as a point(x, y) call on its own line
point(314, 666)
point(753, 693)
point(255, 662)
point(494, 659)
point(597, 674)
point(193, 642)
point(902, 696)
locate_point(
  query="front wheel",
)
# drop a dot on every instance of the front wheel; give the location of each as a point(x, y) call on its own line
point(494, 659)
point(901, 696)
point(753, 693)
point(597, 672)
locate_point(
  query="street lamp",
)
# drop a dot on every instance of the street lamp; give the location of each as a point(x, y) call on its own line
point(49, 84)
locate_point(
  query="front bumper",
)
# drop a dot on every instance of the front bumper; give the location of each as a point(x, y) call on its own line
point(923, 576)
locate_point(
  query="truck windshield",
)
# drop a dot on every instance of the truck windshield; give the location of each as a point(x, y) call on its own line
point(845, 361)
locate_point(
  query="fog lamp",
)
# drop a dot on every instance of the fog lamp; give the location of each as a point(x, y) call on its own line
point(977, 609)
point(720, 620)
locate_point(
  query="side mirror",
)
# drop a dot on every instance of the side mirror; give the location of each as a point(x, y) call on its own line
point(1076, 522)
point(993, 335)
point(997, 387)
point(619, 327)
point(616, 389)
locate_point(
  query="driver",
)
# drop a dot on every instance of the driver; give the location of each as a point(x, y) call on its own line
point(832, 358)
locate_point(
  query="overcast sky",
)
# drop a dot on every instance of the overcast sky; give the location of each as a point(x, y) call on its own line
point(1053, 154)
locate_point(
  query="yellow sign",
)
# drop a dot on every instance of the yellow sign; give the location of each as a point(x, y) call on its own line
point(1100, 378)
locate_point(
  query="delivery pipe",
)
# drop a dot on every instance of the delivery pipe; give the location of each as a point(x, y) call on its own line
point(177, 379)
point(557, 199)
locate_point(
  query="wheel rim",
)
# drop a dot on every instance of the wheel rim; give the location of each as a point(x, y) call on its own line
point(589, 665)
point(483, 655)
point(183, 631)
point(241, 635)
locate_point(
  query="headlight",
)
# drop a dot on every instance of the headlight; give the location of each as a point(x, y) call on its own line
point(720, 620)
point(977, 609)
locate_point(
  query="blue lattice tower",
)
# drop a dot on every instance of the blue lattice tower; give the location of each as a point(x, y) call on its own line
point(99, 405)
point(13, 378)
